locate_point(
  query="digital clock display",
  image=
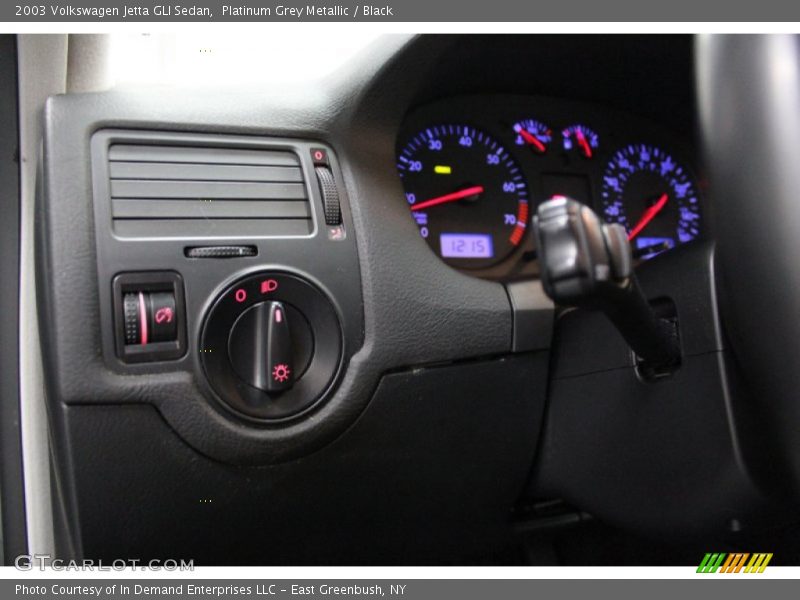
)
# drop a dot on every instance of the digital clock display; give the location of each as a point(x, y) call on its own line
point(466, 245)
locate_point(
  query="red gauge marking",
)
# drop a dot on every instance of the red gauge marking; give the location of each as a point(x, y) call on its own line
point(522, 224)
point(465, 193)
point(532, 140)
point(648, 216)
point(587, 150)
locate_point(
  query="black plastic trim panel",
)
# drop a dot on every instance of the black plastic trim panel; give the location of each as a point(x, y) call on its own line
point(412, 309)
point(420, 478)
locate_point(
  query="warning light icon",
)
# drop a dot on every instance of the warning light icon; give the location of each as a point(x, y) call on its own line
point(281, 372)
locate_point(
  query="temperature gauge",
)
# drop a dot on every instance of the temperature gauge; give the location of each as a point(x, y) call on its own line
point(534, 134)
point(582, 139)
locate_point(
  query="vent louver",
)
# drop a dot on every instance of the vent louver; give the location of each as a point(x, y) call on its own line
point(181, 191)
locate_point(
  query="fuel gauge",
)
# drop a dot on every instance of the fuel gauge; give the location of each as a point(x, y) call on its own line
point(533, 134)
point(581, 139)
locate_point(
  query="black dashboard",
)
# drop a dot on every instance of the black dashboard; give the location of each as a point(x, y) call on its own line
point(474, 168)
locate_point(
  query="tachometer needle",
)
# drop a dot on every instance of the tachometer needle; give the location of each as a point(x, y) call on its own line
point(460, 194)
point(648, 216)
point(532, 139)
point(587, 150)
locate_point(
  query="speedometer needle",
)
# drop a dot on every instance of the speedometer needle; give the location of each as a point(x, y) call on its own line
point(465, 193)
point(532, 139)
point(648, 216)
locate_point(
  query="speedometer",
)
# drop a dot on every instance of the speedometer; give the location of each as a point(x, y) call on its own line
point(653, 196)
point(466, 194)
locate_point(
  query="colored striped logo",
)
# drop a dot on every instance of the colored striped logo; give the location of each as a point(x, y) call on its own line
point(735, 562)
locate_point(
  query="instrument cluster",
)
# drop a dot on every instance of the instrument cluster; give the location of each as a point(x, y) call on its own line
point(474, 169)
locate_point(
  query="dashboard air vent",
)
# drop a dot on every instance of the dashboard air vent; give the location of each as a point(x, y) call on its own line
point(181, 191)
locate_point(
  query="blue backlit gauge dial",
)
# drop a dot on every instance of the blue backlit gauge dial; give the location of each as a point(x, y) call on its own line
point(466, 193)
point(580, 139)
point(533, 134)
point(653, 196)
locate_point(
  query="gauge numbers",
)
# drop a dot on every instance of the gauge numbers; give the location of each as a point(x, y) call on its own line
point(466, 193)
point(654, 197)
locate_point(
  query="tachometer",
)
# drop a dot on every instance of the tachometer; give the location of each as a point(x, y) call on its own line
point(653, 197)
point(466, 193)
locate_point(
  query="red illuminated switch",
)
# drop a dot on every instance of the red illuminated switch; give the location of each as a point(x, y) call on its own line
point(150, 317)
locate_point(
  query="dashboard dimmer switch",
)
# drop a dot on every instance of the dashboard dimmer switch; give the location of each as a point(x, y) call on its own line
point(149, 316)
